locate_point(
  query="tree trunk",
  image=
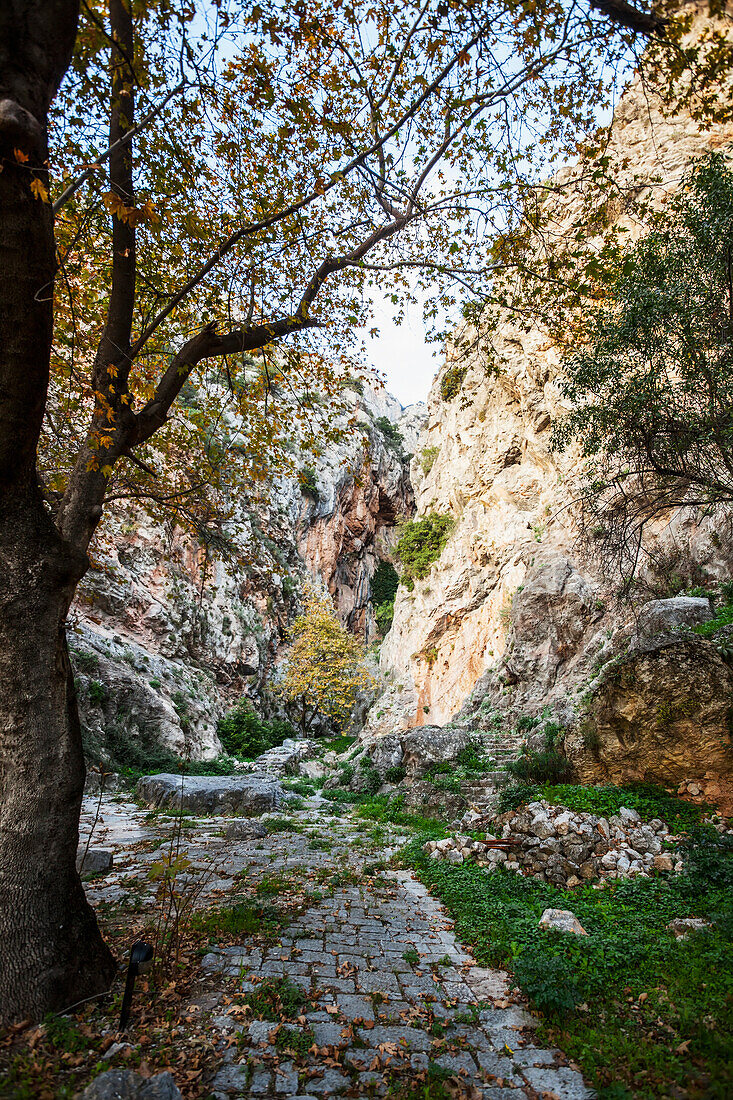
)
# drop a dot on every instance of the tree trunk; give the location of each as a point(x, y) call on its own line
point(52, 952)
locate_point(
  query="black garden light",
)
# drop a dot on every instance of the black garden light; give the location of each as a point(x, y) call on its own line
point(141, 959)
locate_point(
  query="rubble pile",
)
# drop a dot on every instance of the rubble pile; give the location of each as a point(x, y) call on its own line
point(564, 847)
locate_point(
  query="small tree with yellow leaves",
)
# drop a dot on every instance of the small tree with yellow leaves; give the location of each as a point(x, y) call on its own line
point(325, 670)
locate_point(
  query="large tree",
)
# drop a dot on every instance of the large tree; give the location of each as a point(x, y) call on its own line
point(225, 177)
point(651, 383)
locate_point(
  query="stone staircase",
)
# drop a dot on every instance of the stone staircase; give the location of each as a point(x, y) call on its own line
point(502, 749)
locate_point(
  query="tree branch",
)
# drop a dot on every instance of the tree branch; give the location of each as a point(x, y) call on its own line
point(128, 136)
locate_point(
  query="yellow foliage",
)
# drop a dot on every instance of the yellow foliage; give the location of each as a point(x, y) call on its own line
point(326, 670)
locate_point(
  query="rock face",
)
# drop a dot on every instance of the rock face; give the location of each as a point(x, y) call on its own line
point(248, 795)
point(163, 637)
point(661, 713)
point(510, 618)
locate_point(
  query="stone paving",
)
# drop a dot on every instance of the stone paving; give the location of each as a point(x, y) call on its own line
point(390, 994)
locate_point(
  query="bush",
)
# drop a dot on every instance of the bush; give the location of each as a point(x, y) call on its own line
point(384, 583)
point(452, 382)
point(427, 459)
point(244, 735)
point(308, 483)
point(384, 614)
point(421, 543)
point(546, 766)
point(392, 435)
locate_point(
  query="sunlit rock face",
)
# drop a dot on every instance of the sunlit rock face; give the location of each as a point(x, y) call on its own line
point(164, 636)
point(510, 616)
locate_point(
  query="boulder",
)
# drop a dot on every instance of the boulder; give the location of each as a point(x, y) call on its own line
point(125, 1084)
point(563, 921)
point(661, 714)
point(94, 861)
point(248, 795)
point(428, 800)
point(429, 745)
point(683, 926)
point(663, 616)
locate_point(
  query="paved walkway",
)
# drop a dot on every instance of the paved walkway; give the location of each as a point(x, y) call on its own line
point(391, 994)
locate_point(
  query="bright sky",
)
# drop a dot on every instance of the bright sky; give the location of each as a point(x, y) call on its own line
point(401, 352)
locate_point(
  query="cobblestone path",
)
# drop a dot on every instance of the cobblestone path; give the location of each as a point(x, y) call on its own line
point(389, 999)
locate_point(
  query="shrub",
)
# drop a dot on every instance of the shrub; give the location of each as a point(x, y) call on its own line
point(427, 459)
point(421, 543)
point(308, 483)
point(392, 435)
point(384, 583)
point(546, 766)
point(243, 734)
point(452, 382)
point(384, 614)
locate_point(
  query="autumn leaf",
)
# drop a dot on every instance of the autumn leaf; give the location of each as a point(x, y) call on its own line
point(39, 190)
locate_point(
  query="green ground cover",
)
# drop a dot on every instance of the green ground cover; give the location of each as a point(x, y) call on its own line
point(643, 1014)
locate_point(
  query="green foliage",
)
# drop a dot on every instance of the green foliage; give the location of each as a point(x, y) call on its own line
point(648, 800)
point(651, 386)
point(297, 1041)
point(427, 458)
point(392, 435)
point(384, 583)
point(238, 920)
point(275, 998)
point(97, 692)
point(421, 543)
point(411, 956)
point(723, 617)
point(589, 986)
point(395, 775)
point(309, 483)
point(339, 744)
point(371, 780)
point(384, 614)
point(245, 735)
point(383, 592)
point(452, 382)
point(545, 765)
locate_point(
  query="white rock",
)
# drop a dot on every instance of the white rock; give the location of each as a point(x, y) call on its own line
point(562, 920)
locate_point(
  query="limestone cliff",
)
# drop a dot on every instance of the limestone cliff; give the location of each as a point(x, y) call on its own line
point(165, 635)
point(509, 618)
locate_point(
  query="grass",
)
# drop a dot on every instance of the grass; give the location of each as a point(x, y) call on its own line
point(643, 1014)
point(295, 1041)
point(240, 919)
point(648, 800)
point(277, 999)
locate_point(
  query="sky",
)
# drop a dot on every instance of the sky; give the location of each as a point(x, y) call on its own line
point(401, 352)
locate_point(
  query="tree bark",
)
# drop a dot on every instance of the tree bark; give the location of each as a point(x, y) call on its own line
point(52, 952)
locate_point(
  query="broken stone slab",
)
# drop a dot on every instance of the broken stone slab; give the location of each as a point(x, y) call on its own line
point(684, 926)
point(125, 1084)
point(563, 921)
point(248, 795)
point(94, 861)
point(245, 830)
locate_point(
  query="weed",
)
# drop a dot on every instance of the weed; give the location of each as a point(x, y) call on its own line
point(295, 1041)
point(411, 956)
point(275, 998)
